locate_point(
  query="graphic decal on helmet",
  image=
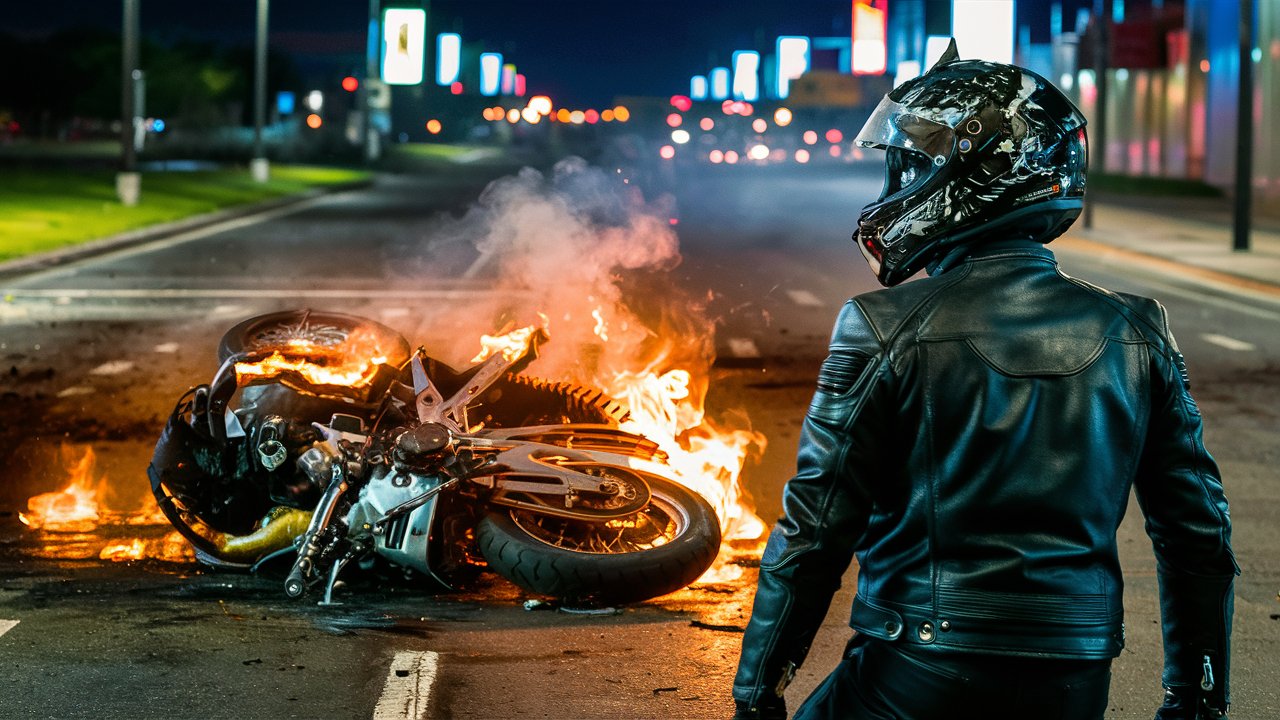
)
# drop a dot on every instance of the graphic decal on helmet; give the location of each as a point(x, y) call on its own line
point(975, 151)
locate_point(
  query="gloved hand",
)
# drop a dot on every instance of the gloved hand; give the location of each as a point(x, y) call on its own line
point(1187, 703)
point(770, 707)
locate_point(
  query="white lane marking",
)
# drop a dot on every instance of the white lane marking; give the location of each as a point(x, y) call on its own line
point(804, 298)
point(76, 390)
point(477, 265)
point(743, 348)
point(7, 625)
point(1211, 300)
point(223, 310)
point(169, 347)
point(205, 294)
point(407, 692)
point(1228, 342)
point(115, 367)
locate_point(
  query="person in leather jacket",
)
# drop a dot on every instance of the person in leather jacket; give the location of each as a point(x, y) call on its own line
point(974, 437)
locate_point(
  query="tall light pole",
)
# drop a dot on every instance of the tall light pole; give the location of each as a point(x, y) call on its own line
point(128, 181)
point(369, 139)
point(259, 168)
point(1244, 132)
point(1098, 141)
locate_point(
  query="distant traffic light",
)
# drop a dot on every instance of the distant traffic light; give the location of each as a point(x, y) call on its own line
point(350, 84)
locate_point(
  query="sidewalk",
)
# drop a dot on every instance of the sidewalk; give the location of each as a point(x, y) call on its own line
point(1185, 234)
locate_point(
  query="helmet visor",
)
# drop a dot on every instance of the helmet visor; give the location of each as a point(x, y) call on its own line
point(892, 124)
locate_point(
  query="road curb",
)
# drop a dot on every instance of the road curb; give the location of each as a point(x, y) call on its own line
point(130, 238)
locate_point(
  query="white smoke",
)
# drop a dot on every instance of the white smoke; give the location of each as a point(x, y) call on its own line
point(583, 253)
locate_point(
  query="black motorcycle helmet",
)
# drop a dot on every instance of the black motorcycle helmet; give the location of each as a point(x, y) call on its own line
point(976, 151)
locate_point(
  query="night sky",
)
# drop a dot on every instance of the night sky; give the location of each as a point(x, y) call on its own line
point(578, 51)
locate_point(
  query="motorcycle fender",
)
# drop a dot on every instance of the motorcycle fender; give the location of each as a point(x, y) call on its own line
point(404, 541)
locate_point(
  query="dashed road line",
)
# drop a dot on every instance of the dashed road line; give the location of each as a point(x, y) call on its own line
point(804, 298)
point(1228, 342)
point(76, 390)
point(114, 367)
point(169, 347)
point(743, 348)
point(7, 625)
point(407, 692)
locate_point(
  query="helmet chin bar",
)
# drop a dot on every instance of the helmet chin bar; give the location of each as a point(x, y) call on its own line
point(872, 260)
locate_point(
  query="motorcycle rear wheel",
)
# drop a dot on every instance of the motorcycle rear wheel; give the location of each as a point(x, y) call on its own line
point(658, 550)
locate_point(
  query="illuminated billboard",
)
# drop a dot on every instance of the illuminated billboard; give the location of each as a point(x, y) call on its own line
point(719, 83)
point(404, 38)
point(448, 58)
point(870, 28)
point(793, 61)
point(698, 88)
point(508, 83)
point(490, 73)
point(984, 29)
point(746, 75)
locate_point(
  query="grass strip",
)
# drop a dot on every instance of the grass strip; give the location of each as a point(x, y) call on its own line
point(42, 210)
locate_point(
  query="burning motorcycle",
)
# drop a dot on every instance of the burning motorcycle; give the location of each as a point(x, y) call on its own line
point(325, 438)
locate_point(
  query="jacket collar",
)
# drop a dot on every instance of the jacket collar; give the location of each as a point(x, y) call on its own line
point(989, 250)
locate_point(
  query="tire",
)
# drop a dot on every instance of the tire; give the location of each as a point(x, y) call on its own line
point(582, 576)
point(264, 332)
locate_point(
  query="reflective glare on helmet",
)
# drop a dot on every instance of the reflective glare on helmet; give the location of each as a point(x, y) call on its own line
point(894, 125)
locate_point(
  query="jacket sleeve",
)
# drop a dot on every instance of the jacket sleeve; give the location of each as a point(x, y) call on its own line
point(825, 511)
point(1180, 492)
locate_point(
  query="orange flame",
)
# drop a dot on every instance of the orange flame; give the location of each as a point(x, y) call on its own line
point(74, 508)
point(172, 547)
point(77, 508)
point(355, 374)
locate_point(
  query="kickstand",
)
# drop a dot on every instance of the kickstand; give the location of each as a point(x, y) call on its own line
point(333, 579)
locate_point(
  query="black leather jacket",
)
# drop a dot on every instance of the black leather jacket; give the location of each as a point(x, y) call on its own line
point(973, 440)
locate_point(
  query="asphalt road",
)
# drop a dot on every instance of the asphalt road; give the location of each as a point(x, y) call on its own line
point(96, 352)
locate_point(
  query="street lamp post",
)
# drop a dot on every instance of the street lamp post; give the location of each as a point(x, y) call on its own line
point(259, 168)
point(128, 181)
point(1244, 132)
point(369, 138)
point(1098, 141)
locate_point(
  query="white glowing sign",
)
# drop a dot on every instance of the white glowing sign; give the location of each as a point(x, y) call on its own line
point(719, 83)
point(490, 73)
point(984, 29)
point(448, 58)
point(698, 87)
point(869, 33)
point(793, 61)
point(746, 75)
point(404, 39)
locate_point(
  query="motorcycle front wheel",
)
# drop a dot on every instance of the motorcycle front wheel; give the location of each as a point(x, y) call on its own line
point(655, 551)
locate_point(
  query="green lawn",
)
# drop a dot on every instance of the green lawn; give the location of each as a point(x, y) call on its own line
point(42, 210)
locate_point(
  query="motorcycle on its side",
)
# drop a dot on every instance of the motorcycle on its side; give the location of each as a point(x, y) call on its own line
point(324, 438)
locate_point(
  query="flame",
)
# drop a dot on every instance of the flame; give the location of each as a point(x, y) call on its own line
point(705, 458)
point(512, 344)
point(602, 328)
point(74, 508)
point(353, 374)
point(172, 547)
point(77, 509)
